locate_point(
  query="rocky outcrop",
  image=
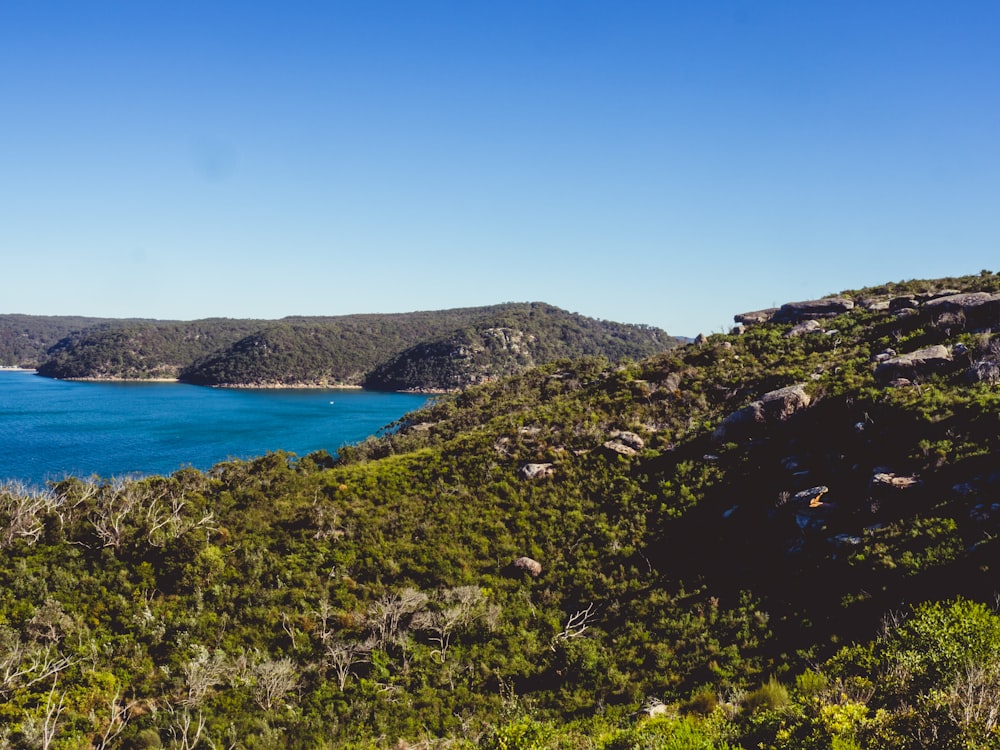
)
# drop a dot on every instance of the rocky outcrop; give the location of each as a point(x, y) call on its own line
point(756, 316)
point(773, 407)
point(972, 311)
point(908, 366)
point(624, 443)
point(795, 312)
point(537, 471)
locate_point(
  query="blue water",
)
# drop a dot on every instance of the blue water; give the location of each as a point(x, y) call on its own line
point(50, 429)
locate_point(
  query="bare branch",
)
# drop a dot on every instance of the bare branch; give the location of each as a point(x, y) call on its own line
point(576, 625)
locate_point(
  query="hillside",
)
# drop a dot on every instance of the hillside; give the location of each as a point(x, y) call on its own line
point(784, 537)
point(508, 342)
point(24, 339)
point(337, 351)
point(140, 350)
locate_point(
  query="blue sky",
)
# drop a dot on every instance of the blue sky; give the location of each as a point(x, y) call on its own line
point(670, 163)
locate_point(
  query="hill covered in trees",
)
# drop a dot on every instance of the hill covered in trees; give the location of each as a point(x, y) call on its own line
point(783, 537)
point(24, 339)
point(439, 350)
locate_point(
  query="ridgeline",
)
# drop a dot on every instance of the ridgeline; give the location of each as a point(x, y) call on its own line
point(783, 537)
point(423, 351)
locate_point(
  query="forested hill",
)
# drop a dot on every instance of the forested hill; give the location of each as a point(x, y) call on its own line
point(24, 339)
point(438, 350)
point(784, 537)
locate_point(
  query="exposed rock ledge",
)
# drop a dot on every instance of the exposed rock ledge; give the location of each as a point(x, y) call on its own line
point(774, 406)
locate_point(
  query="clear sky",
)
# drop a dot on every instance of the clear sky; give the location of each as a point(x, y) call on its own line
point(667, 162)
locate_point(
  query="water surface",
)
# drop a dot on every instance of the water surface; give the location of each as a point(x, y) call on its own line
point(50, 429)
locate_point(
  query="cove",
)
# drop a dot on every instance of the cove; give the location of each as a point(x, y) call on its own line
point(51, 429)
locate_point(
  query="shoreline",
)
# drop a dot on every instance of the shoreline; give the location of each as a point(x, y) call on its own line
point(248, 386)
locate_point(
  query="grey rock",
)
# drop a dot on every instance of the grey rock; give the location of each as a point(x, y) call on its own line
point(921, 362)
point(971, 311)
point(624, 443)
point(902, 303)
point(876, 305)
point(794, 312)
point(537, 471)
point(774, 406)
point(756, 316)
point(806, 326)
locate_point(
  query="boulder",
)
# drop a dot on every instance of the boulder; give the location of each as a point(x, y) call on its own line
point(774, 406)
point(529, 566)
point(795, 312)
point(811, 497)
point(537, 471)
point(756, 316)
point(624, 443)
point(921, 362)
point(889, 481)
point(655, 707)
point(876, 305)
point(902, 303)
point(972, 310)
point(806, 326)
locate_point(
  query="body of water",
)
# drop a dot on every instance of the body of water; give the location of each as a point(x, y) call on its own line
point(50, 429)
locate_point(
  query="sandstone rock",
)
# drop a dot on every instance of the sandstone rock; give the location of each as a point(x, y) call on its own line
point(971, 310)
point(629, 438)
point(902, 303)
point(876, 305)
point(700, 339)
point(806, 326)
point(812, 496)
point(920, 362)
point(756, 316)
point(959, 301)
point(774, 406)
point(888, 480)
point(528, 565)
point(655, 708)
point(625, 443)
point(537, 471)
point(794, 312)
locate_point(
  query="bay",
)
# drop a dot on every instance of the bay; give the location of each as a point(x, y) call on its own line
point(51, 429)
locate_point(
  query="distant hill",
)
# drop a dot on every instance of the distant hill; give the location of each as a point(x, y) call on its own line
point(140, 349)
point(25, 339)
point(435, 350)
point(508, 341)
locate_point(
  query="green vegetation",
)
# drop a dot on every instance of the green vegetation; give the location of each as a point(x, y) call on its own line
point(758, 541)
point(442, 350)
point(24, 339)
